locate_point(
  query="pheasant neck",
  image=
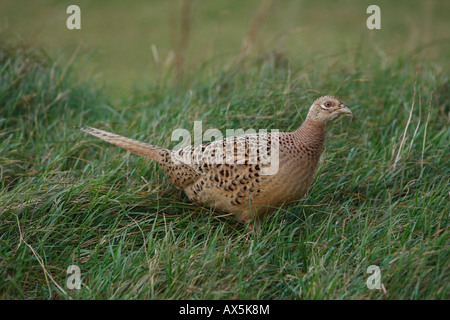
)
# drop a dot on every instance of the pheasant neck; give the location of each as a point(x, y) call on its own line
point(312, 134)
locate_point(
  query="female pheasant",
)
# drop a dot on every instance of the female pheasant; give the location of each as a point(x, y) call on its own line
point(249, 175)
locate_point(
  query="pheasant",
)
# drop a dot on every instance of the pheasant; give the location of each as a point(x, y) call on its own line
point(249, 175)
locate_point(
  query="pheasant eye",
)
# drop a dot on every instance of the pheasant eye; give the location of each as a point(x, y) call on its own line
point(325, 105)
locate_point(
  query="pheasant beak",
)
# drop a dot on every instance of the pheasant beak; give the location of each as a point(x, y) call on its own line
point(344, 110)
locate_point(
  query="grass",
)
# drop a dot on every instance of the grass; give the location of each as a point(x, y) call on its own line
point(380, 196)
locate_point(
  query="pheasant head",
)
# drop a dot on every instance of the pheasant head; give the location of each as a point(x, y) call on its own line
point(326, 109)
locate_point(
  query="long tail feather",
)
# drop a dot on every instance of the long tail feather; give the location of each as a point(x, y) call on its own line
point(137, 147)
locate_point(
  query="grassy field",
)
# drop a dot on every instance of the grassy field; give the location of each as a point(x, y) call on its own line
point(380, 197)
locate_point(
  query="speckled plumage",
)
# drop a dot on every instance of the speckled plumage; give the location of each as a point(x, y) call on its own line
point(231, 175)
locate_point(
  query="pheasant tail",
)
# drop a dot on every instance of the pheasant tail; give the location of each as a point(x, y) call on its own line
point(143, 149)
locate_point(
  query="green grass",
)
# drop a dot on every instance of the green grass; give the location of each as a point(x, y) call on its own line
point(380, 197)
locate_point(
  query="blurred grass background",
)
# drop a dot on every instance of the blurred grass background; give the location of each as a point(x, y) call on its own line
point(119, 36)
point(142, 69)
